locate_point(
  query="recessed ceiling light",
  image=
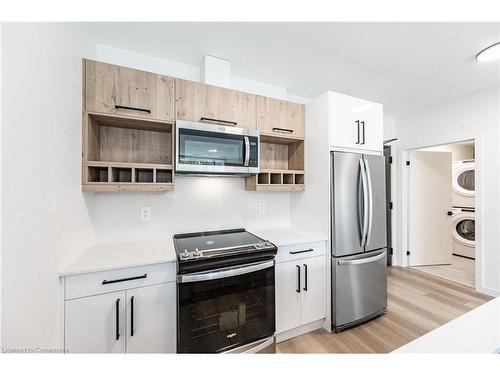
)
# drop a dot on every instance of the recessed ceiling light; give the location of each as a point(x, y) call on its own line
point(489, 53)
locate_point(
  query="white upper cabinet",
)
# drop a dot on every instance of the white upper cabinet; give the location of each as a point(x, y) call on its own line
point(355, 124)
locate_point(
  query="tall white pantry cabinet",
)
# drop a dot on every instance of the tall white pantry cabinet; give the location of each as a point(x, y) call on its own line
point(130, 310)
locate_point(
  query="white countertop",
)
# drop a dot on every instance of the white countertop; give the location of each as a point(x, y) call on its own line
point(106, 256)
point(477, 331)
point(288, 236)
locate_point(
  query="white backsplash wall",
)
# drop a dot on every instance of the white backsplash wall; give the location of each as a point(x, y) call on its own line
point(196, 204)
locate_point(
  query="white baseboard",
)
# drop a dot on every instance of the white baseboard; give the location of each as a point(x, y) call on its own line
point(294, 332)
point(487, 291)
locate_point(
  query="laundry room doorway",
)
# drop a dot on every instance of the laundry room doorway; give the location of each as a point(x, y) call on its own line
point(441, 211)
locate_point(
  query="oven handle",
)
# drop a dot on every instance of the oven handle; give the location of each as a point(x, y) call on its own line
point(224, 272)
point(247, 151)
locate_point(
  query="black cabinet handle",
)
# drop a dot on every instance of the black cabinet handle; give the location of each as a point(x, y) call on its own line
point(298, 279)
point(301, 251)
point(132, 108)
point(117, 306)
point(104, 282)
point(363, 124)
point(305, 277)
point(132, 316)
point(357, 126)
point(223, 122)
point(283, 130)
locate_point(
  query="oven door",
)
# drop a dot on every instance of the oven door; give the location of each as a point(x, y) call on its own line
point(223, 309)
point(205, 148)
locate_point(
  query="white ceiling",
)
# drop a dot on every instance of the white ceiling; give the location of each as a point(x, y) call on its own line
point(402, 65)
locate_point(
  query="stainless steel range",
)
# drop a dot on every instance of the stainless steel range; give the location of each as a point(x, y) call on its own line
point(225, 292)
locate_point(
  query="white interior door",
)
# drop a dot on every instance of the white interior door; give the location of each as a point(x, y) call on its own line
point(429, 226)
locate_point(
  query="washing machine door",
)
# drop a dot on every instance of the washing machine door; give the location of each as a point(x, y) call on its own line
point(464, 231)
point(464, 179)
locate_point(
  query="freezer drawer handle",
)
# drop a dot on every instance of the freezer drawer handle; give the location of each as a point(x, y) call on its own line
point(360, 261)
point(301, 251)
point(104, 282)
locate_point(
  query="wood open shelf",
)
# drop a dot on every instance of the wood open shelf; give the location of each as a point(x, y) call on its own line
point(281, 165)
point(125, 154)
point(276, 180)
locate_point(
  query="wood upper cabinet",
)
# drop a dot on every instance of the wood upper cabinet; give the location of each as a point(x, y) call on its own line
point(280, 117)
point(128, 92)
point(197, 100)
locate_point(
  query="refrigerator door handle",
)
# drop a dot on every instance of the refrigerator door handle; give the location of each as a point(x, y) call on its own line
point(364, 227)
point(370, 201)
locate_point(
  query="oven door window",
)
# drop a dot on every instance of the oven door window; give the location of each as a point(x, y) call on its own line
point(217, 315)
point(208, 148)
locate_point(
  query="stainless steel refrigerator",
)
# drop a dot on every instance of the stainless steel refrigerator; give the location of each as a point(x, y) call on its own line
point(358, 238)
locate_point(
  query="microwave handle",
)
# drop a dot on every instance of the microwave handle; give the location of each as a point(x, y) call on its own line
point(247, 151)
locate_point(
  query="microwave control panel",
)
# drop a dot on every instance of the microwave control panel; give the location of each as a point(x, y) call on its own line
point(254, 152)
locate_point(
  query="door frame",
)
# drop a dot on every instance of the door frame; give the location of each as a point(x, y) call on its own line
point(479, 202)
point(389, 210)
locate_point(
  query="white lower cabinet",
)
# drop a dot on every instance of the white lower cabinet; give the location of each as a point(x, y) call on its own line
point(287, 297)
point(151, 311)
point(300, 292)
point(136, 319)
point(313, 294)
point(95, 324)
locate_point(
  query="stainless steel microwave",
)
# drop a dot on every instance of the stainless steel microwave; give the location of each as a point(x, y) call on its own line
point(208, 149)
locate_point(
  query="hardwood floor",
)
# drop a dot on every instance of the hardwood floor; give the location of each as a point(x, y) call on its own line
point(417, 303)
point(462, 270)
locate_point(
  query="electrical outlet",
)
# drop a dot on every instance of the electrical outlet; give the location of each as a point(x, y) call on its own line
point(262, 208)
point(145, 213)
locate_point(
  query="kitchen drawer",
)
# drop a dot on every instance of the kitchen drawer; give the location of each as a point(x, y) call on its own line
point(299, 251)
point(89, 284)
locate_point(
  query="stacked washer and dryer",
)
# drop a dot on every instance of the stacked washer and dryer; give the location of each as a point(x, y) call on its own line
point(464, 215)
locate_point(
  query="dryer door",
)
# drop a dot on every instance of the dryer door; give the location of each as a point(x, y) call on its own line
point(464, 180)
